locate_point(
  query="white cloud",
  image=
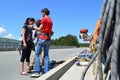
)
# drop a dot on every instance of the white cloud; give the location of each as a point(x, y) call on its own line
point(20, 39)
point(2, 30)
point(3, 33)
point(10, 36)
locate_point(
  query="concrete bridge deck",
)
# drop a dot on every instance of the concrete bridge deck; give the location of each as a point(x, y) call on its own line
point(9, 63)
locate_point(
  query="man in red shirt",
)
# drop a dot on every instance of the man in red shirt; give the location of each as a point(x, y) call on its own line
point(44, 42)
point(47, 29)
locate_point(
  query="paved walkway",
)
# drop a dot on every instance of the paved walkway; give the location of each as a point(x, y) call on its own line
point(75, 72)
point(9, 62)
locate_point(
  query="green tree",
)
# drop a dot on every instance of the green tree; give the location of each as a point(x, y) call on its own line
point(69, 40)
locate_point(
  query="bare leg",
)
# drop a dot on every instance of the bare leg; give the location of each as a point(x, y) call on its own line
point(28, 66)
point(22, 68)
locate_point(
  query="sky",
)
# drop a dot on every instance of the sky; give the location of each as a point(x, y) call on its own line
point(68, 16)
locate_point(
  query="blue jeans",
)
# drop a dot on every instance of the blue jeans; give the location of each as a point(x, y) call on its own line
point(42, 44)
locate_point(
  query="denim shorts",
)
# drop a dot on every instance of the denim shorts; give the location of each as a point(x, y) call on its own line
point(44, 42)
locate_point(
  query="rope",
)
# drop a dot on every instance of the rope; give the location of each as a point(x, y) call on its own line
point(109, 41)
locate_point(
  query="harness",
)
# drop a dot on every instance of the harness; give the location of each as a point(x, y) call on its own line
point(45, 36)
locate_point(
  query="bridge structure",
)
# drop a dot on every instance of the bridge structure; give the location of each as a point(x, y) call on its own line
point(9, 66)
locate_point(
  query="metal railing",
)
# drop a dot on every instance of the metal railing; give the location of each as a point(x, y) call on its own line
point(9, 45)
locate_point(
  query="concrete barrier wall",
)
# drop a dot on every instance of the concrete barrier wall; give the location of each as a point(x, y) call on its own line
point(57, 72)
point(51, 47)
point(8, 49)
point(61, 47)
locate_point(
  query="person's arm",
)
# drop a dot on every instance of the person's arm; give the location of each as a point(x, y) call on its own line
point(35, 35)
point(23, 37)
point(39, 28)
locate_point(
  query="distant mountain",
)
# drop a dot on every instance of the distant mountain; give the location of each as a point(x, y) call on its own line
point(9, 40)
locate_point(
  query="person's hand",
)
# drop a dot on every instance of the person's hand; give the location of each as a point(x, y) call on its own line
point(31, 27)
point(25, 45)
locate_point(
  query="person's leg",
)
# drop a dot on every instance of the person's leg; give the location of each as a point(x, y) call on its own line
point(27, 67)
point(42, 58)
point(22, 61)
point(32, 62)
point(28, 59)
point(46, 58)
point(37, 58)
point(21, 67)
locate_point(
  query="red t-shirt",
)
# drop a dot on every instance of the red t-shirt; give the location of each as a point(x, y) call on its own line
point(47, 26)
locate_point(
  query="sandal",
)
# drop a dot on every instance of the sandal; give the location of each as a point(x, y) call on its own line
point(23, 73)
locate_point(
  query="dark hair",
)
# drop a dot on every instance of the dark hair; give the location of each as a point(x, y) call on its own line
point(46, 11)
point(38, 23)
point(28, 20)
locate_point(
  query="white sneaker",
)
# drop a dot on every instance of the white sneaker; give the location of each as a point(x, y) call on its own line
point(35, 75)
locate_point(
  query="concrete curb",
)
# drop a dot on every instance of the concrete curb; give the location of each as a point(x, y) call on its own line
point(57, 72)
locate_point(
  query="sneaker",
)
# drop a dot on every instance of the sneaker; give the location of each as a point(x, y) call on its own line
point(35, 75)
point(31, 67)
